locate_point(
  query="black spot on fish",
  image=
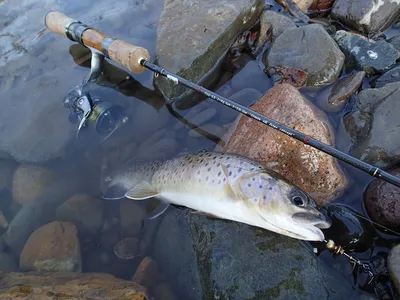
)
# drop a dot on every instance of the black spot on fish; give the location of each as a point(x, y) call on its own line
point(206, 164)
point(209, 169)
point(240, 170)
point(252, 169)
point(198, 172)
point(249, 185)
point(260, 186)
point(270, 188)
point(201, 161)
point(219, 173)
point(265, 197)
point(214, 157)
point(253, 179)
point(230, 173)
point(224, 179)
point(207, 178)
point(218, 164)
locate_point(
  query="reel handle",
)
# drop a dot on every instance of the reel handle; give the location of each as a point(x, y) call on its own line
point(117, 50)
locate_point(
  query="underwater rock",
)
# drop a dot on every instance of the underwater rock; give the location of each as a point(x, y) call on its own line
point(393, 75)
point(3, 221)
point(275, 23)
point(367, 16)
point(309, 48)
point(129, 248)
point(393, 266)
point(317, 173)
point(147, 273)
point(84, 211)
point(131, 216)
point(161, 149)
point(344, 88)
point(29, 182)
point(208, 130)
point(259, 80)
point(54, 247)
point(382, 202)
point(70, 285)
point(348, 230)
point(216, 259)
point(192, 44)
point(395, 41)
point(8, 263)
point(373, 126)
point(371, 56)
point(163, 291)
point(7, 168)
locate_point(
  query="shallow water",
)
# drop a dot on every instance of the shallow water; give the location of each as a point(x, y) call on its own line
point(29, 53)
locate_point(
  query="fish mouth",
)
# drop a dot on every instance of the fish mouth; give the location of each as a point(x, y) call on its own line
point(313, 223)
point(115, 192)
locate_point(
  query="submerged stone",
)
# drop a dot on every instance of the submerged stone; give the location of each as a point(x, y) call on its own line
point(309, 48)
point(394, 266)
point(373, 126)
point(371, 56)
point(193, 36)
point(393, 75)
point(395, 41)
point(345, 87)
point(367, 16)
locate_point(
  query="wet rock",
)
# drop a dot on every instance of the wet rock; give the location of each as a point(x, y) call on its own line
point(8, 263)
point(129, 248)
point(29, 182)
point(372, 126)
point(323, 60)
point(371, 56)
point(7, 168)
point(366, 16)
point(393, 75)
point(84, 211)
point(315, 172)
point(53, 247)
point(147, 273)
point(394, 266)
point(275, 23)
point(348, 230)
point(215, 259)
point(131, 216)
point(395, 41)
point(344, 88)
point(70, 285)
point(382, 202)
point(164, 291)
point(220, 22)
point(259, 80)
point(321, 5)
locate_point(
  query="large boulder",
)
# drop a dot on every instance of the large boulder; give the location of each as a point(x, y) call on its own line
point(215, 259)
point(373, 126)
point(193, 36)
point(309, 48)
point(315, 172)
point(367, 16)
point(69, 285)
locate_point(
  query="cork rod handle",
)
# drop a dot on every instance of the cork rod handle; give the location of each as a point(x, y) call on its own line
point(118, 51)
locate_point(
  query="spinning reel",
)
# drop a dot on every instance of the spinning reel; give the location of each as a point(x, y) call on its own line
point(100, 117)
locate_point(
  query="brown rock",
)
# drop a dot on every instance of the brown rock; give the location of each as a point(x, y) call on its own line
point(315, 172)
point(71, 286)
point(29, 182)
point(321, 5)
point(345, 87)
point(131, 215)
point(382, 202)
point(164, 292)
point(53, 247)
point(147, 273)
point(394, 266)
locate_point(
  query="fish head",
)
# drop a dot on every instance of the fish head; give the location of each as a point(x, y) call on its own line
point(115, 185)
point(284, 208)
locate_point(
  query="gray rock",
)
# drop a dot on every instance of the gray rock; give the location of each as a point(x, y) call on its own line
point(214, 259)
point(193, 36)
point(309, 48)
point(393, 75)
point(395, 41)
point(367, 16)
point(394, 266)
point(84, 211)
point(275, 22)
point(131, 215)
point(7, 168)
point(345, 87)
point(8, 263)
point(373, 126)
point(259, 80)
point(366, 54)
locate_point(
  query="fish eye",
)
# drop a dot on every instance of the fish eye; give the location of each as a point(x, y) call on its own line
point(299, 200)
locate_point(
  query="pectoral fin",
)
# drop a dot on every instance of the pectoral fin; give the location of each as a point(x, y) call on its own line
point(158, 211)
point(143, 190)
point(228, 187)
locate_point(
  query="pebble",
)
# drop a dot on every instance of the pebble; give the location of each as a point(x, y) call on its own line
point(390, 76)
point(7, 168)
point(129, 248)
point(371, 56)
point(29, 182)
point(316, 173)
point(85, 211)
point(147, 273)
point(382, 202)
point(344, 88)
point(131, 216)
point(53, 247)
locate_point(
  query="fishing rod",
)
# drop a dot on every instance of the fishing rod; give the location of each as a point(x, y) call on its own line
point(137, 60)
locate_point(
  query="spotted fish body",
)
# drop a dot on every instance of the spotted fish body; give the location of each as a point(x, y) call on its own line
point(226, 186)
